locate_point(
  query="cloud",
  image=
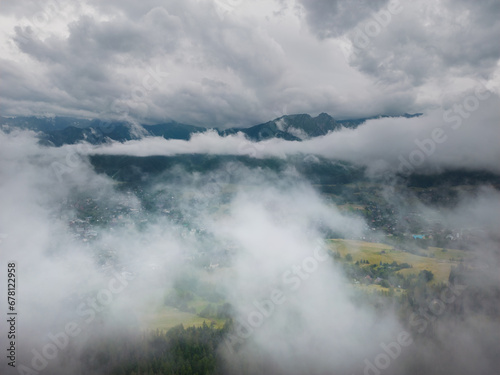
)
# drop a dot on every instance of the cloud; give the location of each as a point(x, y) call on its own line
point(422, 46)
point(335, 18)
point(328, 332)
point(57, 272)
point(194, 62)
point(94, 60)
point(71, 278)
point(105, 55)
point(274, 251)
point(464, 136)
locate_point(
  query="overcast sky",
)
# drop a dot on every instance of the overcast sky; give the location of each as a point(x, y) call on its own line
point(237, 63)
point(240, 62)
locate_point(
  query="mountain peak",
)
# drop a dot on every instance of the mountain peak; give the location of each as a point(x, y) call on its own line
point(324, 115)
point(65, 130)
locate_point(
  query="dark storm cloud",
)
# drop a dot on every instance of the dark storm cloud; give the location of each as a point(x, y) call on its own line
point(331, 18)
point(427, 43)
point(424, 41)
point(237, 63)
point(219, 70)
point(83, 64)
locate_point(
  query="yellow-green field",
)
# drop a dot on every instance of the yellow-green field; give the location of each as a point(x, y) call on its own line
point(436, 261)
point(168, 317)
point(372, 288)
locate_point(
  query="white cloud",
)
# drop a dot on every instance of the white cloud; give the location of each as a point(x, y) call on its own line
point(462, 136)
point(251, 65)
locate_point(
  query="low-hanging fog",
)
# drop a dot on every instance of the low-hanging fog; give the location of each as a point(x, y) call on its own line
point(293, 309)
point(460, 136)
point(114, 243)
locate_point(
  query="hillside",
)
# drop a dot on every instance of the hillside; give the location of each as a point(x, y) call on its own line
point(57, 131)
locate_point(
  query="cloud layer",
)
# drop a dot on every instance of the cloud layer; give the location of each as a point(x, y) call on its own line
point(270, 225)
point(463, 136)
point(236, 63)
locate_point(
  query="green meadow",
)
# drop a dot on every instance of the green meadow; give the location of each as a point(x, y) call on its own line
point(433, 259)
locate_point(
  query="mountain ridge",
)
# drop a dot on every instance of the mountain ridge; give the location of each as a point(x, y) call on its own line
point(57, 131)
